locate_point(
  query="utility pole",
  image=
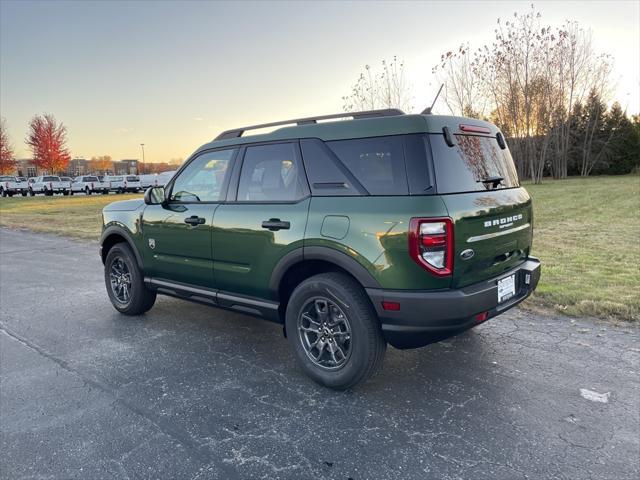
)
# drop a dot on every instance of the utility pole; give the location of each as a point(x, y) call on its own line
point(143, 166)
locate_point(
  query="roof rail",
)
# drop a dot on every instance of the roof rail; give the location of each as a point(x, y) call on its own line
point(238, 132)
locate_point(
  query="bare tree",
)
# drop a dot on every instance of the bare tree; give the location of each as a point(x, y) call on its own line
point(462, 93)
point(386, 88)
point(528, 81)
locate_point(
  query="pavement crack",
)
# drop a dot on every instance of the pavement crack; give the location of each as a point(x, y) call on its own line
point(201, 452)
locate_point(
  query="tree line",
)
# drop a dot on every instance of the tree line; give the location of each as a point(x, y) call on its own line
point(47, 140)
point(545, 87)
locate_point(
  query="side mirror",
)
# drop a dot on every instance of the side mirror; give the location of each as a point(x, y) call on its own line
point(154, 196)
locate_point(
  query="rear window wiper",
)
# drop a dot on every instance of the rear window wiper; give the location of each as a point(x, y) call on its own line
point(494, 181)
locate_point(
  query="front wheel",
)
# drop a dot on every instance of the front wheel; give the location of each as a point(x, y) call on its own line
point(124, 282)
point(334, 331)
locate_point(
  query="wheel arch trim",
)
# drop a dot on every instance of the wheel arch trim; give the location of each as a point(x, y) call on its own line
point(327, 254)
point(116, 230)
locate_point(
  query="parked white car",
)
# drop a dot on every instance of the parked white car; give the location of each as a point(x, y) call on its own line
point(124, 183)
point(164, 177)
point(89, 184)
point(156, 179)
point(9, 186)
point(48, 185)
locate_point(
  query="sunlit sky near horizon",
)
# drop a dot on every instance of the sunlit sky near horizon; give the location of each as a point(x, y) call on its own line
point(172, 75)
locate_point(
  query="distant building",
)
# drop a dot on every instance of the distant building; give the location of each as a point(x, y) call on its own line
point(25, 167)
point(78, 166)
point(125, 167)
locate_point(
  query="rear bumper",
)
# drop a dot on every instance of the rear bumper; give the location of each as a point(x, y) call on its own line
point(429, 316)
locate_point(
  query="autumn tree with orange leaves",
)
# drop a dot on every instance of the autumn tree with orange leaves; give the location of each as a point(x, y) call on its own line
point(47, 139)
point(7, 162)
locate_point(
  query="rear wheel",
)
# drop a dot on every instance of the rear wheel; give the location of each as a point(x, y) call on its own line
point(23, 193)
point(124, 282)
point(334, 331)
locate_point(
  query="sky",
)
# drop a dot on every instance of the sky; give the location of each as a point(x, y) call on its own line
point(172, 75)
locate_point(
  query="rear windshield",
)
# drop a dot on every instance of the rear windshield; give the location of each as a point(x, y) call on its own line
point(7, 179)
point(475, 163)
point(51, 179)
point(90, 179)
point(133, 179)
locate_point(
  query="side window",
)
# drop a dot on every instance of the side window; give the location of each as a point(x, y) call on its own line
point(377, 163)
point(202, 180)
point(326, 176)
point(271, 173)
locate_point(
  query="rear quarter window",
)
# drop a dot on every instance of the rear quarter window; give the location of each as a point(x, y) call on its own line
point(472, 160)
point(377, 163)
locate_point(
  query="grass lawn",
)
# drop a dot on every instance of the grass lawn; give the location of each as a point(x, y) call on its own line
point(77, 216)
point(587, 234)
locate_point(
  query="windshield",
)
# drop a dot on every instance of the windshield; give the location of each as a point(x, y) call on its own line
point(474, 163)
point(90, 179)
point(133, 179)
point(51, 179)
point(7, 179)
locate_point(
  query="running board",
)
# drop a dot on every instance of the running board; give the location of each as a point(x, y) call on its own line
point(258, 307)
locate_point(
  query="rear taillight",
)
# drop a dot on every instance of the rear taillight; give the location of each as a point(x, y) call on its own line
point(431, 244)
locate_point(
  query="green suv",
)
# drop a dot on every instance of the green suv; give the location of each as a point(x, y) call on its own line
point(385, 228)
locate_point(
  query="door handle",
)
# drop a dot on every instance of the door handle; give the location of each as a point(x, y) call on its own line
point(194, 220)
point(274, 224)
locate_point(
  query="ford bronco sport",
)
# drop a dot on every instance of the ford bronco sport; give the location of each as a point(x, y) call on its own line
point(386, 228)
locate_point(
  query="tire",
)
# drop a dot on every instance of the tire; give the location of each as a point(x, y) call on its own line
point(140, 298)
point(23, 193)
point(87, 191)
point(3, 192)
point(65, 193)
point(32, 193)
point(352, 321)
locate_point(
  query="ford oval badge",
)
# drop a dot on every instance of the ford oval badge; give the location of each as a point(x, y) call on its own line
point(467, 254)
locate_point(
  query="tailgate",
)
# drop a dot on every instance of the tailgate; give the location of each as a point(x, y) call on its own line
point(492, 233)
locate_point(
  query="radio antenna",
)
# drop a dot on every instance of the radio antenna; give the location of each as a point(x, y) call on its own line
point(427, 111)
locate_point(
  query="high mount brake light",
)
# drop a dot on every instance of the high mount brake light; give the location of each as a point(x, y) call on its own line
point(474, 128)
point(431, 244)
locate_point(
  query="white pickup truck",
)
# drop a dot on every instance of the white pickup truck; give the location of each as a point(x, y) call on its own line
point(9, 186)
point(89, 184)
point(156, 179)
point(48, 185)
point(124, 183)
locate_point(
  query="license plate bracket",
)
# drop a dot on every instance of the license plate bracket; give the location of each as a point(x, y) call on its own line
point(506, 288)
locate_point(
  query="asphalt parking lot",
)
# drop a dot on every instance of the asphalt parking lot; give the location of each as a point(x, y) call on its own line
point(188, 391)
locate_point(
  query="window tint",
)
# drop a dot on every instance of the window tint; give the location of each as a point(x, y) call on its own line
point(270, 173)
point(202, 180)
point(472, 159)
point(51, 179)
point(133, 179)
point(377, 163)
point(325, 175)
